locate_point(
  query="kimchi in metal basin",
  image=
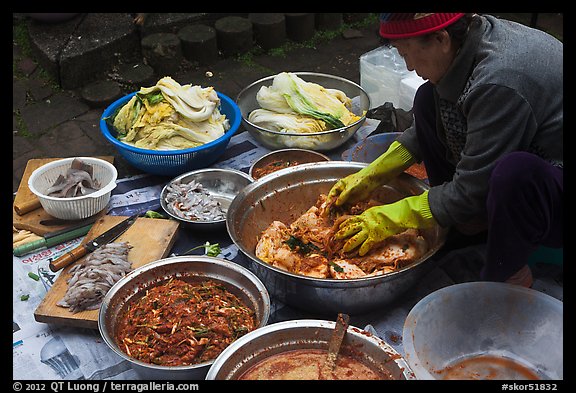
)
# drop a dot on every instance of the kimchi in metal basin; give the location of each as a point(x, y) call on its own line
point(281, 337)
point(238, 280)
point(288, 193)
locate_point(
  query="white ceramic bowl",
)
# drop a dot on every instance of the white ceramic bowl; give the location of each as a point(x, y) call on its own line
point(79, 207)
point(485, 330)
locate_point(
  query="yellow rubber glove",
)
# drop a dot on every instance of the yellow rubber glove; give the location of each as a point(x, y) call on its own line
point(359, 185)
point(379, 222)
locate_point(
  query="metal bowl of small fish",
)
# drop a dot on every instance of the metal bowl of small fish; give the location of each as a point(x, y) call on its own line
point(200, 199)
point(319, 141)
point(288, 338)
point(74, 188)
point(188, 315)
point(285, 195)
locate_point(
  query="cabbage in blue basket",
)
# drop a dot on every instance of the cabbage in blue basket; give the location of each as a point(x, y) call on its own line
point(170, 116)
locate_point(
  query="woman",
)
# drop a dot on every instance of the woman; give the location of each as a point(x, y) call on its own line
point(488, 125)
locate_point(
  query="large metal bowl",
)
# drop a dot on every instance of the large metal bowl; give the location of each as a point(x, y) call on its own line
point(319, 141)
point(285, 195)
point(486, 330)
point(238, 280)
point(306, 334)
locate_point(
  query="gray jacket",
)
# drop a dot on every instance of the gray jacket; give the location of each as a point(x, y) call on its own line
point(503, 93)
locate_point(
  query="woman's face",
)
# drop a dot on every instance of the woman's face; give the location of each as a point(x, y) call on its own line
point(430, 57)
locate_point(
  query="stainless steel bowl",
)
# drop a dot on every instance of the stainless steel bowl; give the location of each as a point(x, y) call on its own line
point(238, 280)
point(288, 157)
point(518, 333)
point(305, 334)
point(284, 196)
point(319, 141)
point(221, 184)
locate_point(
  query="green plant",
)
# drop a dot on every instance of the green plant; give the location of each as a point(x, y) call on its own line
point(21, 39)
point(21, 128)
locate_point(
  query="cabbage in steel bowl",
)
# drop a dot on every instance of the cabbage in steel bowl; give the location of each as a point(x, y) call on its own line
point(303, 110)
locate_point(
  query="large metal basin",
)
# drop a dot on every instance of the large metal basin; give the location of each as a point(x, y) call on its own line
point(238, 280)
point(285, 195)
point(281, 337)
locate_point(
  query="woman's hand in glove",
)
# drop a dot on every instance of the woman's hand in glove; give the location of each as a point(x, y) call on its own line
point(353, 188)
point(359, 185)
point(380, 222)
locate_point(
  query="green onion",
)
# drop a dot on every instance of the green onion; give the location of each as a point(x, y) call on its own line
point(153, 214)
point(33, 276)
point(212, 250)
point(336, 267)
point(296, 244)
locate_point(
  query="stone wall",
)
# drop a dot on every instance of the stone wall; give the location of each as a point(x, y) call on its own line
point(78, 50)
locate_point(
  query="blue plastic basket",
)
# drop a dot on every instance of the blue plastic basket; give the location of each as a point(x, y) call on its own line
point(173, 162)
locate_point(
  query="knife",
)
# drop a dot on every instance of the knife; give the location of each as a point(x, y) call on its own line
point(83, 249)
point(51, 239)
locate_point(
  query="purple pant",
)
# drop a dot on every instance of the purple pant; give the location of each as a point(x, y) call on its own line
point(524, 203)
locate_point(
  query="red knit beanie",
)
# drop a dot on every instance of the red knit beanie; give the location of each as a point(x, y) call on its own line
point(405, 25)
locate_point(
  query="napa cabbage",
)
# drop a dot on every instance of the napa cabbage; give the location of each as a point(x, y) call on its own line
point(170, 116)
point(286, 122)
point(290, 94)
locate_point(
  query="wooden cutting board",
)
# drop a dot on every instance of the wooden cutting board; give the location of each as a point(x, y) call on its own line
point(31, 221)
point(151, 239)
